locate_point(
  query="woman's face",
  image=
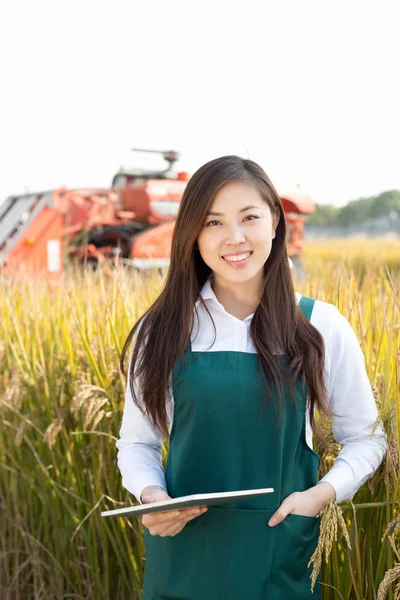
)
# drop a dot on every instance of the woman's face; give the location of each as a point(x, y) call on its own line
point(237, 235)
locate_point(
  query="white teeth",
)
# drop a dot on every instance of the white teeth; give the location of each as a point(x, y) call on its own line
point(237, 258)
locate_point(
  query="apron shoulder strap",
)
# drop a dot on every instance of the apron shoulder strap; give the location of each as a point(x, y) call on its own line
point(306, 306)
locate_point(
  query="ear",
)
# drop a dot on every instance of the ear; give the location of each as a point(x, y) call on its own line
point(275, 221)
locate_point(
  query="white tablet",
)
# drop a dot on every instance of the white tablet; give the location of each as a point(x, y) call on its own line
point(186, 501)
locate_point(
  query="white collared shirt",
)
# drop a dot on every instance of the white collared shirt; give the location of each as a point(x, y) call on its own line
point(349, 393)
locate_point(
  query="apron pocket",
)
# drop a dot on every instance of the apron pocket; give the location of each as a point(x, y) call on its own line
point(224, 553)
point(297, 538)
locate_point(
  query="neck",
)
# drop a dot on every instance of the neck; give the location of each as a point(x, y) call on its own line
point(238, 298)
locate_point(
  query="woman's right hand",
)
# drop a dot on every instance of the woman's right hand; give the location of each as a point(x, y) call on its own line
point(166, 523)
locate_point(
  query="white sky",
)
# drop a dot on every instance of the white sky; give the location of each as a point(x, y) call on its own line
point(309, 89)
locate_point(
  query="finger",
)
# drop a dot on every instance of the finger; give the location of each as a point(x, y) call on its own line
point(181, 521)
point(155, 497)
point(275, 519)
point(151, 519)
point(177, 527)
point(164, 530)
point(186, 516)
point(193, 511)
point(194, 516)
point(191, 517)
point(194, 508)
point(281, 514)
point(176, 513)
point(173, 530)
point(166, 517)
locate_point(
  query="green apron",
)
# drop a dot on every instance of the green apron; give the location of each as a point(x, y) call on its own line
point(224, 437)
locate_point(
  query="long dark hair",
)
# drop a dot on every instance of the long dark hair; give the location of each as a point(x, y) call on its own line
point(163, 332)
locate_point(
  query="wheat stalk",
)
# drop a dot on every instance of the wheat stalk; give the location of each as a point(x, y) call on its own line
point(390, 577)
point(331, 520)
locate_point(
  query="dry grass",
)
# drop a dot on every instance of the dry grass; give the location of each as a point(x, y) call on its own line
point(62, 398)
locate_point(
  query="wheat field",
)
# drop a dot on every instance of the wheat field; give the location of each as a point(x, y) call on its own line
point(62, 397)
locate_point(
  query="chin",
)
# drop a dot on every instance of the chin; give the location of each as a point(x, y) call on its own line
point(240, 276)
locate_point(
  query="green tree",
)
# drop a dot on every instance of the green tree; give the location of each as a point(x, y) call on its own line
point(357, 211)
point(325, 215)
point(385, 203)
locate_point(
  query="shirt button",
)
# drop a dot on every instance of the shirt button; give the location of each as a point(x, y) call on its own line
point(243, 343)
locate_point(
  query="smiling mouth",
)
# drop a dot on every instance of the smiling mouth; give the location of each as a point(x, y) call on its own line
point(238, 257)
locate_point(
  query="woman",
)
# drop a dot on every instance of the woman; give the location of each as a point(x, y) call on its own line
point(232, 365)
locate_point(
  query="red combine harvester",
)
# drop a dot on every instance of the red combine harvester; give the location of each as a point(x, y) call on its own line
point(132, 223)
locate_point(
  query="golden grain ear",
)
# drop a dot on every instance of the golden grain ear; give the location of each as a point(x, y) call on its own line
point(391, 576)
point(331, 523)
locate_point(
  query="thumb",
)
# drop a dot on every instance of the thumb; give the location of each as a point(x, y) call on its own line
point(281, 514)
point(156, 496)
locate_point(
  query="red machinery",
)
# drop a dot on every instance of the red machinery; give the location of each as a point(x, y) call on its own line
point(133, 222)
point(296, 205)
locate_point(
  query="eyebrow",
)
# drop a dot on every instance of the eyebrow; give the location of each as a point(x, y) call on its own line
point(217, 214)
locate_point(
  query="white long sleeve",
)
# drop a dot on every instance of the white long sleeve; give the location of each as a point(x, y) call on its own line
point(351, 397)
point(349, 392)
point(139, 447)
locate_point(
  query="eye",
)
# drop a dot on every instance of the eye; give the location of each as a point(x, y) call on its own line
point(251, 217)
point(212, 222)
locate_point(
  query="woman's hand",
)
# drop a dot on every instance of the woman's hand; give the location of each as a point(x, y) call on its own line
point(166, 523)
point(308, 503)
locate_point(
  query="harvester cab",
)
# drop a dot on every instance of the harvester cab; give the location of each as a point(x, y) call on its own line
point(153, 196)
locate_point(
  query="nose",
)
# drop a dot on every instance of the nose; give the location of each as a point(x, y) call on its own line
point(235, 236)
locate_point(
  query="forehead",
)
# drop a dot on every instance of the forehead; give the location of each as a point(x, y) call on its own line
point(237, 194)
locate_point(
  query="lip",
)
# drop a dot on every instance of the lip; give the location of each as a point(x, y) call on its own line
point(238, 263)
point(237, 253)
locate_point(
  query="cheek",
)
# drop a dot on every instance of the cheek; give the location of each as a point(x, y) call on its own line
point(263, 236)
point(208, 241)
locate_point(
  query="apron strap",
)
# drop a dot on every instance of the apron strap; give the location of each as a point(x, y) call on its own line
point(306, 306)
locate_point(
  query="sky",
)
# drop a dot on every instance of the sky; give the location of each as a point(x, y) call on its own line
point(308, 89)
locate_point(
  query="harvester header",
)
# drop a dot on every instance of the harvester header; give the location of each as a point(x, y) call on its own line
point(133, 222)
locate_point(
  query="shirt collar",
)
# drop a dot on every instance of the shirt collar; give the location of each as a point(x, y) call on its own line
point(207, 293)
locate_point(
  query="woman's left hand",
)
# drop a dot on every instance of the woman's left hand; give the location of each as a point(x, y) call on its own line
point(308, 503)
